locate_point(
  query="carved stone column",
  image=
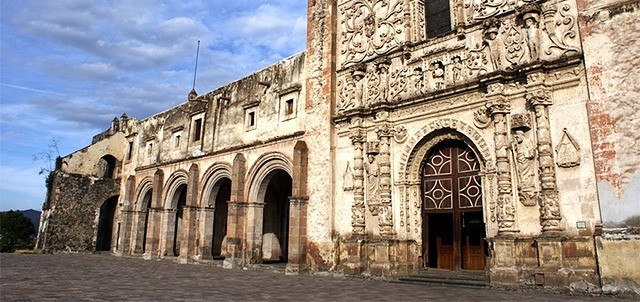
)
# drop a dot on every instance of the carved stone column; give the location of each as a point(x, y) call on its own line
point(539, 99)
point(358, 209)
point(385, 215)
point(499, 108)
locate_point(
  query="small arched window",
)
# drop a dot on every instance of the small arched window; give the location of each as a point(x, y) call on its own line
point(106, 166)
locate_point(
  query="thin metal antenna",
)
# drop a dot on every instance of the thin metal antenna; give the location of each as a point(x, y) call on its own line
point(195, 71)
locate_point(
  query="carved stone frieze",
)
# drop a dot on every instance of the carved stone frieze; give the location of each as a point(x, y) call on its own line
point(536, 32)
point(370, 28)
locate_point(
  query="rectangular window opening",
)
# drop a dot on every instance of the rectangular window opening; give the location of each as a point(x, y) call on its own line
point(252, 119)
point(177, 141)
point(289, 107)
point(130, 153)
point(197, 131)
point(438, 17)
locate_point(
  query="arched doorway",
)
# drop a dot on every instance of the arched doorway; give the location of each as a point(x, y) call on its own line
point(146, 205)
point(453, 226)
point(220, 199)
point(276, 213)
point(105, 224)
point(180, 200)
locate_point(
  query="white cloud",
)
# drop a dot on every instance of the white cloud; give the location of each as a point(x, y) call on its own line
point(70, 66)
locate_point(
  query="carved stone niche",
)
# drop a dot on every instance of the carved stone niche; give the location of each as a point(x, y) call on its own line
point(567, 151)
point(524, 155)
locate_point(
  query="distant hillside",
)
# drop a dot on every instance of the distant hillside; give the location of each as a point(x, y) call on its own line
point(33, 215)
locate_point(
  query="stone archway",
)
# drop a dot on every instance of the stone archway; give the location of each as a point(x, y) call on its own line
point(219, 198)
point(270, 189)
point(275, 216)
point(419, 148)
point(106, 216)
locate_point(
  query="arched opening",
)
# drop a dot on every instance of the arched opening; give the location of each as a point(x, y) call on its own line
point(275, 223)
point(453, 226)
point(106, 166)
point(146, 205)
point(220, 199)
point(105, 224)
point(180, 200)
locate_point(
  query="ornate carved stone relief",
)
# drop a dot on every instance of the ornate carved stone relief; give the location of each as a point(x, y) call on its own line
point(536, 32)
point(524, 155)
point(369, 28)
point(400, 134)
point(568, 151)
point(347, 179)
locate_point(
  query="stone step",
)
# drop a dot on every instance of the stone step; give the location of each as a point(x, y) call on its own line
point(449, 278)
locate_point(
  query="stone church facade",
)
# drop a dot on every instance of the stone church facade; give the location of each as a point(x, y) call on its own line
point(410, 135)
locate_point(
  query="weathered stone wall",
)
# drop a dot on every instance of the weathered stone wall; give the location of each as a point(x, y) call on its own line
point(86, 160)
point(618, 261)
point(72, 210)
point(318, 104)
point(608, 30)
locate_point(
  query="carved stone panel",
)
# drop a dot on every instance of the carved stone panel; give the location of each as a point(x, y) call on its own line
point(369, 28)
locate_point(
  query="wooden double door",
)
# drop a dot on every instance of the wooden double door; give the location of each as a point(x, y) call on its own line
point(453, 225)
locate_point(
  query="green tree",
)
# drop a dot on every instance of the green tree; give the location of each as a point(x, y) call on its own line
point(15, 231)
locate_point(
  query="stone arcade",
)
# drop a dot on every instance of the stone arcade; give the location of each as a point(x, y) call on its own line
point(410, 135)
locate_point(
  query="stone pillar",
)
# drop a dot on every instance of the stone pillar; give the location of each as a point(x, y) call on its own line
point(506, 212)
point(297, 251)
point(155, 217)
point(539, 99)
point(190, 218)
point(140, 217)
point(234, 241)
point(152, 247)
point(385, 216)
point(504, 270)
point(169, 222)
point(358, 209)
point(205, 244)
point(549, 262)
point(128, 211)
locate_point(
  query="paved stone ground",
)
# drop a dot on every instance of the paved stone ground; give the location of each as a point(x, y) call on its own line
point(78, 277)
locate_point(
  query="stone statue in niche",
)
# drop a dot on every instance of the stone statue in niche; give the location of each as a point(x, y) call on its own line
point(347, 179)
point(525, 152)
point(531, 19)
point(383, 73)
point(489, 37)
point(418, 80)
point(456, 70)
point(568, 151)
point(358, 76)
point(372, 168)
point(438, 74)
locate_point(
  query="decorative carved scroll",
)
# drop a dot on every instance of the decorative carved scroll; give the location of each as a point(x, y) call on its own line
point(370, 28)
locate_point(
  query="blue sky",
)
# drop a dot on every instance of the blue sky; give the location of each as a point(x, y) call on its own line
point(69, 66)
